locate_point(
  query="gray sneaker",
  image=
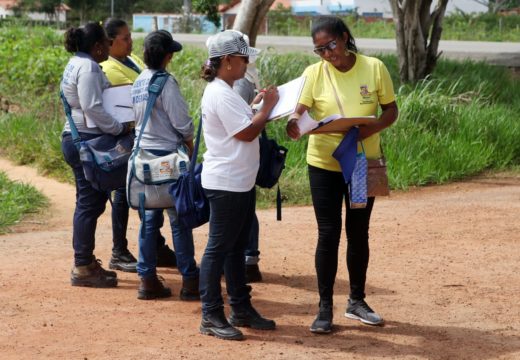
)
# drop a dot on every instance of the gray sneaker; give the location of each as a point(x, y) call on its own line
point(359, 310)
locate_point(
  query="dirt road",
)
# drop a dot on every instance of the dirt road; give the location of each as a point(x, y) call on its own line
point(444, 272)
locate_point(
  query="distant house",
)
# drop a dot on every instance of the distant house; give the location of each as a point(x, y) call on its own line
point(170, 22)
point(7, 9)
point(322, 7)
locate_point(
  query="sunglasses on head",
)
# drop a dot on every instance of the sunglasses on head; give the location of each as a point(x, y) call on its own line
point(320, 50)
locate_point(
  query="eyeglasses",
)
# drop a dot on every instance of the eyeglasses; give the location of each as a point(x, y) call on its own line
point(320, 50)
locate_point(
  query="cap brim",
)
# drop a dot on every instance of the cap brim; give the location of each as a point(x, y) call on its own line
point(176, 46)
point(250, 51)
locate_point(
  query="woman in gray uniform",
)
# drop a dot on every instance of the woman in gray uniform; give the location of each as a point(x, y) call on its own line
point(83, 83)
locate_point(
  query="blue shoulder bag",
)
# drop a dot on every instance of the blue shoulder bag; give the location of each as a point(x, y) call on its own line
point(191, 203)
point(104, 158)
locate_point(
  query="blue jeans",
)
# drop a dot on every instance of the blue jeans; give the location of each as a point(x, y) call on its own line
point(231, 215)
point(90, 204)
point(182, 243)
point(120, 211)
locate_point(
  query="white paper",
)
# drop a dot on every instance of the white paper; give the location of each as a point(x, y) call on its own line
point(117, 101)
point(307, 124)
point(289, 94)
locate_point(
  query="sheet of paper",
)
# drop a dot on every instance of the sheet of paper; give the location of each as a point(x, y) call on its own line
point(117, 101)
point(289, 95)
point(333, 123)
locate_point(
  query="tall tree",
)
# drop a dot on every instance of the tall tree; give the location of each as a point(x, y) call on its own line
point(209, 8)
point(418, 32)
point(250, 17)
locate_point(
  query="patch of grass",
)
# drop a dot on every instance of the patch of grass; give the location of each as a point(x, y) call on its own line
point(16, 200)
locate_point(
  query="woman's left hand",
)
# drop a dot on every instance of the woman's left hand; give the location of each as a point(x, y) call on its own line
point(258, 98)
point(386, 119)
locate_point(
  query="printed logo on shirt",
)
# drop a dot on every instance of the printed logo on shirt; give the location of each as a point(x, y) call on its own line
point(366, 96)
point(140, 91)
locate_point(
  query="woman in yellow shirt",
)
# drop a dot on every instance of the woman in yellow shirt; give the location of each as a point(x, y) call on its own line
point(122, 68)
point(362, 85)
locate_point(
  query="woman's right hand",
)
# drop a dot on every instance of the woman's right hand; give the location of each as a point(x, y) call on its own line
point(270, 97)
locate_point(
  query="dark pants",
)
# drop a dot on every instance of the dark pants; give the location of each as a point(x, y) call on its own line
point(120, 210)
point(329, 191)
point(252, 251)
point(231, 215)
point(90, 204)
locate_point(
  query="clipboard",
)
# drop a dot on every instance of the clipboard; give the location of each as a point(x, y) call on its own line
point(332, 124)
point(289, 94)
point(117, 101)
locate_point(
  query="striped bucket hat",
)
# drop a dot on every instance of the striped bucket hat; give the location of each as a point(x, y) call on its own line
point(229, 42)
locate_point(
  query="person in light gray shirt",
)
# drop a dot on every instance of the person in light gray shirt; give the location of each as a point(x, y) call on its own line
point(170, 125)
point(168, 128)
point(83, 83)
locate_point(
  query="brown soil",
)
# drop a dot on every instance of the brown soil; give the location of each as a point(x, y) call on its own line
point(444, 272)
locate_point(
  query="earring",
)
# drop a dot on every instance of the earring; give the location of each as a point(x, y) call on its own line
point(99, 52)
point(228, 67)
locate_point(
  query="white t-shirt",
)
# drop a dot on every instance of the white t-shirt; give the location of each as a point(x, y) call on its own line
point(229, 164)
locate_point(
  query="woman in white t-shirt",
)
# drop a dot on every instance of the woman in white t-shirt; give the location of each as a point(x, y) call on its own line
point(228, 177)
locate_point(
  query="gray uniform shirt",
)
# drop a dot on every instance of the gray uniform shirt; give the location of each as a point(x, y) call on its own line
point(169, 124)
point(83, 84)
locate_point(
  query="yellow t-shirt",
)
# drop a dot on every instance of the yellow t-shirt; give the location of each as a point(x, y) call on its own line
point(360, 91)
point(120, 74)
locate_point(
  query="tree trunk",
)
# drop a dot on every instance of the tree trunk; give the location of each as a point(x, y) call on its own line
point(418, 33)
point(250, 17)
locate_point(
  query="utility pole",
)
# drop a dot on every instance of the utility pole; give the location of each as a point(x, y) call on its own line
point(112, 8)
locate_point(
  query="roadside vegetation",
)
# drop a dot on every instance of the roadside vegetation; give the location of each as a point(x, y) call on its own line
point(16, 200)
point(459, 122)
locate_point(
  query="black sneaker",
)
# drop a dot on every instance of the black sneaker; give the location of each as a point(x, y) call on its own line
point(166, 257)
point(253, 273)
point(216, 324)
point(323, 322)
point(359, 310)
point(93, 275)
point(123, 261)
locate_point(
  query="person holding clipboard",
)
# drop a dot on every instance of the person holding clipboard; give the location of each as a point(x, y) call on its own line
point(122, 68)
point(231, 164)
point(353, 85)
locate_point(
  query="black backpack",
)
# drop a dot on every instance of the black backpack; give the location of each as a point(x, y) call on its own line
point(272, 163)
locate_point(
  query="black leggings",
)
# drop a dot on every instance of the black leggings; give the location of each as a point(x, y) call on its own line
point(328, 189)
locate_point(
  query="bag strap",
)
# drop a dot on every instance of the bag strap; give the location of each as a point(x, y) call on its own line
point(340, 106)
point(76, 139)
point(195, 149)
point(155, 88)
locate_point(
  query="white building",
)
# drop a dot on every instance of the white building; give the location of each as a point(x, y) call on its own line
point(6, 9)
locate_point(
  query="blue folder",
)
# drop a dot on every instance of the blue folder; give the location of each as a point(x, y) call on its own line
point(346, 153)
